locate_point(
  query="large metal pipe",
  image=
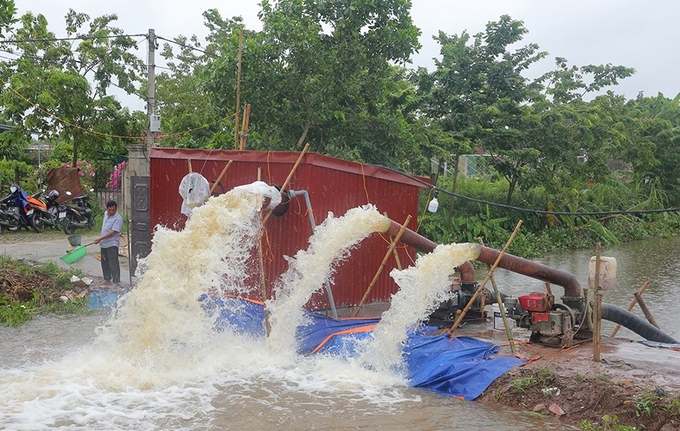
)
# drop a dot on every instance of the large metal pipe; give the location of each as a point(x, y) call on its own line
point(572, 288)
point(420, 243)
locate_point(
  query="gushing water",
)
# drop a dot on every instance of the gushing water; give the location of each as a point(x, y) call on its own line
point(331, 243)
point(421, 288)
point(157, 363)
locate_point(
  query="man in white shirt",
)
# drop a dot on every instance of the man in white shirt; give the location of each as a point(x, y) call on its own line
point(109, 241)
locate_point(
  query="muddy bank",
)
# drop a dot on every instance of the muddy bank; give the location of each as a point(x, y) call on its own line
point(633, 385)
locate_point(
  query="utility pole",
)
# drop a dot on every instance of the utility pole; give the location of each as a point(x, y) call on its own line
point(151, 87)
point(137, 177)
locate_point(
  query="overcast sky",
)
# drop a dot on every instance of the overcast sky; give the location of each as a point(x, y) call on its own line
point(643, 34)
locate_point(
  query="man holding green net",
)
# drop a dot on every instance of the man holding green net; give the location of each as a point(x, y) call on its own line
point(109, 241)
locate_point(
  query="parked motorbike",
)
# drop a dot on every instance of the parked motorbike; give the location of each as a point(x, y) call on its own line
point(15, 209)
point(46, 213)
point(76, 213)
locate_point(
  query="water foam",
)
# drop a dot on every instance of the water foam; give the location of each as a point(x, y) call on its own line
point(157, 363)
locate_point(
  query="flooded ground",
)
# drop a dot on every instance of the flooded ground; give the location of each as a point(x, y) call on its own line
point(652, 260)
point(155, 363)
point(53, 379)
point(149, 365)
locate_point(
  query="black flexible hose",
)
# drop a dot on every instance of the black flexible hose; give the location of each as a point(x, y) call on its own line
point(641, 327)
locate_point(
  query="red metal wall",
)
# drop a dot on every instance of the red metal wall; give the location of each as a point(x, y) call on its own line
point(333, 185)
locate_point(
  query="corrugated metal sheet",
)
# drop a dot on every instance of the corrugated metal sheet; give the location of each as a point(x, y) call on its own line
point(333, 185)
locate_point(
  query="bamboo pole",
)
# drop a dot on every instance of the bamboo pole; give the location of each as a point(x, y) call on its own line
point(238, 85)
point(217, 181)
point(263, 283)
point(244, 126)
point(631, 305)
point(645, 310)
point(598, 307)
point(290, 176)
point(486, 279)
point(396, 254)
point(501, 306)
point(263, 280)
point(189, 165)
point(382, 264)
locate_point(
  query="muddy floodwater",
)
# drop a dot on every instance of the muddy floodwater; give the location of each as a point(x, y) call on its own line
point(152, 364)
point(47, 358)
point(654, 260)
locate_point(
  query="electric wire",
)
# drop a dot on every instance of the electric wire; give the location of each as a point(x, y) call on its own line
point(529, 210)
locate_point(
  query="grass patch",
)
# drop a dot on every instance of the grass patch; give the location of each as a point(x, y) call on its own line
point(28, 289)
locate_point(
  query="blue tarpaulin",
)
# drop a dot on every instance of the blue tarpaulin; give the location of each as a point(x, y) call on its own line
point(462, 366)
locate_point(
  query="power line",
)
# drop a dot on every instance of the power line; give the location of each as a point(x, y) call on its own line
point(185, 46)
point(60, 39)
point(533, 211)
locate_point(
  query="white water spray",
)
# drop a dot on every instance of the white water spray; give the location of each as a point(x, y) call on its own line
point(158, 364)
point(422, 288)
point(331, 244)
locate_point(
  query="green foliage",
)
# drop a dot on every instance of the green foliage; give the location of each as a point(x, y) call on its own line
point(522, 384)
point(7, 12)
point(321, 73)
point(9, 170)
point(15, 313)
point(45, 294)
point(58, 88)
point(545, 375)
point(609, 423)
point(646, 403)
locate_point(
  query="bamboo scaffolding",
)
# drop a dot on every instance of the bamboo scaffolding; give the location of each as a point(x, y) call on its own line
point(285, 183)
point(219, 178)
point(382, 264)
point(645, 310)
point(244, 126)
point(264, 220)
point(501, 307)
point(631, 305)
point(396, 253)
point(486, 280)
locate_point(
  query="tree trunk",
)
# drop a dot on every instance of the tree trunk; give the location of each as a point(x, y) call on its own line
point(301, 141)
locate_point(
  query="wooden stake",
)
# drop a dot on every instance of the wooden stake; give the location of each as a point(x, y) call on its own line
point(396, 254)
point(217, 181)
point(263, 284)
point(263, 281)
point(244, 127)
point(643, 307)
point(598, 307)
point(488, 276)
point(290, 176)
point(238, 85)
point(631, 305)
point(189, 165)
point(382, 264)
point(501, 307)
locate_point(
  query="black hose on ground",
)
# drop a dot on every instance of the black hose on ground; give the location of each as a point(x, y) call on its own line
point(636, 324)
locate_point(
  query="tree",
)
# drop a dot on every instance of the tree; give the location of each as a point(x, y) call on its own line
point(321, 72)
point(478, 95)
point(61, 91)
point(189, 118)
point(7, 11)
point(569, 83)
